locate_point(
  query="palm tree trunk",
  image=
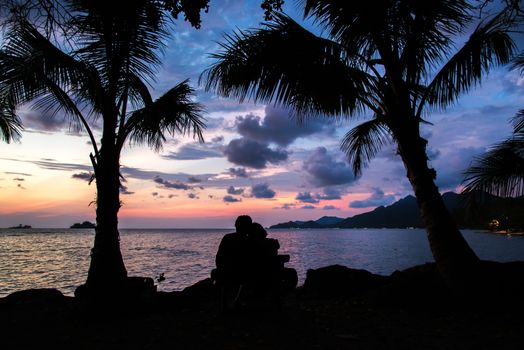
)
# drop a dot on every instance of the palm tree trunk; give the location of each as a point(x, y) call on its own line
point(455, 260)
point(107, 266)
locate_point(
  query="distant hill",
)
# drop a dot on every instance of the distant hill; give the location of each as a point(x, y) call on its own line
point(473, 211)
point(323, 222)
point(85, 224)
point(329, 220)
point(403, 213)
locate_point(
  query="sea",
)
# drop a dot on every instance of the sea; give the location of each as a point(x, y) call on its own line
point(59, 258)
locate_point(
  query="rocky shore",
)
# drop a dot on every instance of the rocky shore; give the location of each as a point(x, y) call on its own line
point(336, 308)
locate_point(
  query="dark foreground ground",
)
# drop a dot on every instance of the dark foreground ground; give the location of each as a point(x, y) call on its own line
point(337, 308)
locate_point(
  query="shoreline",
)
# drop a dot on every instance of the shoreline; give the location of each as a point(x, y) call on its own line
point(337, 308)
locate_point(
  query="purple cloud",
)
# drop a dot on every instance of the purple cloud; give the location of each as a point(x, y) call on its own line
point(235, 191)
point(231, 199)
point(238, 172)
point(286, 206)
point(124, 190)
point(195, 151)
point(82, 176)
point(262, 191)
point(15, 173)
point(253, 154)
point(451, 165)
point(329, 207)
point(175, 185)
point(323, 170)
point(38, 121)
point(330, 193)
point(306, 197)
point(376, 199)
point(278, 127)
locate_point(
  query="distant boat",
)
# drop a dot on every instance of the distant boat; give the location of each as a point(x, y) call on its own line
point(85, 224)
point(20, 226)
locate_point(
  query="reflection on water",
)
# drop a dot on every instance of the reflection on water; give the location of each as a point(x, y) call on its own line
point(60, 258)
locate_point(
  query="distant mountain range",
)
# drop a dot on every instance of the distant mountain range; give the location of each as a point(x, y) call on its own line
point(469, 211)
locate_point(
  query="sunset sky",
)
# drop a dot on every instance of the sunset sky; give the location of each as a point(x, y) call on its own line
point(256, 160)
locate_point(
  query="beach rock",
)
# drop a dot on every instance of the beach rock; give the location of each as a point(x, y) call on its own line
point(202, 292)
point(129, 288)
point(35, 297)
point(131, 297)
point(201, 289)
point(338, 280)
point(420, 276)
point(415, 286)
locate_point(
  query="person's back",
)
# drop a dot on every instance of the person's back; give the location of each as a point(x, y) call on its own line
point(230, 260)
point(230, 255)
point(232, 251)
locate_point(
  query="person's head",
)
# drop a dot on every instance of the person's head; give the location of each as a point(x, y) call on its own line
point(257, 231)
point(243, 224)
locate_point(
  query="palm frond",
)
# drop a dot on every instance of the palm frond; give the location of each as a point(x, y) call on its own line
point(499, 172)
point(363, 142)
point(419, 30)
point(518, 62)
point(518, 122)
point(10, 125)
point(348, 22)
point(490, 44)
point(283, 63)
point(139, 94)
point(174, 113)
point(32, 68)
point(121, 40)
point(425, 30)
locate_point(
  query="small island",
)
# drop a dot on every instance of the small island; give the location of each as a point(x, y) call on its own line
point(85, 224)
point(20, 226)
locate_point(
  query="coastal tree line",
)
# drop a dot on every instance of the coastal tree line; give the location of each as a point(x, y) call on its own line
point(396, 68)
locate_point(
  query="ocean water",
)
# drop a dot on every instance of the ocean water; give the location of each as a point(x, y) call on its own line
point(59, 258)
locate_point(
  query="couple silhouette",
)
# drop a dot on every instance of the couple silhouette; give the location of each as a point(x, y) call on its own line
point(248, 265)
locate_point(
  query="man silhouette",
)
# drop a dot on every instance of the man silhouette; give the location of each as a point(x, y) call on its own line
point(231, 261)
point(232, 252)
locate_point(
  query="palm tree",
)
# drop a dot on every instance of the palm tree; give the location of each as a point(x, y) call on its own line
point(103, 77)
point(501, 170)
point(394, 58)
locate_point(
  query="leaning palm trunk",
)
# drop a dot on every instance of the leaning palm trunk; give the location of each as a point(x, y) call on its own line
point(454, 258)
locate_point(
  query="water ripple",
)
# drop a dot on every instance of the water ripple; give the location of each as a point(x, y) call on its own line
point(60, 258)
